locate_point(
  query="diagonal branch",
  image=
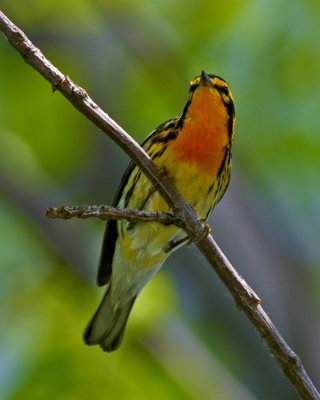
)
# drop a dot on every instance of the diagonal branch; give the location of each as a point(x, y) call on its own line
point(244, 296)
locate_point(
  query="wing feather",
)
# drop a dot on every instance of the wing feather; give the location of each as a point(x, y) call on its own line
point(111, 234)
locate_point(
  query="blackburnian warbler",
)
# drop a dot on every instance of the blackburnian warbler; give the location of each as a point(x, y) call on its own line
point(195, 151)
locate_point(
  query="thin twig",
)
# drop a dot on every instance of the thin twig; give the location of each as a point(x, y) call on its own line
point(242, 293)
point(105, 212)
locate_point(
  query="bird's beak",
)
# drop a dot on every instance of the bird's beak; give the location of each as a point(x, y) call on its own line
point(205, 79)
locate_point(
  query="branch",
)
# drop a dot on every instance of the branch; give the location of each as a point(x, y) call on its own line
point(244, 296)
point(81, 101)
point(106, 212)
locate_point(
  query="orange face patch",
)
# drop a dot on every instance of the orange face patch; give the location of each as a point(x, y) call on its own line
point(204, 134)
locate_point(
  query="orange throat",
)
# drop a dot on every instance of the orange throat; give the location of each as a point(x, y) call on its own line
point(204, 135)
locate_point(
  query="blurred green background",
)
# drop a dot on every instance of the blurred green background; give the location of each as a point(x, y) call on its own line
point(185, 338)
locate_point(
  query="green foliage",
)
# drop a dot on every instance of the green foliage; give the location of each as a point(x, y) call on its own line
point(185, 339)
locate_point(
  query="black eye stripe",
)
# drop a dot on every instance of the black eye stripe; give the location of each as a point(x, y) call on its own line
point(224, 89)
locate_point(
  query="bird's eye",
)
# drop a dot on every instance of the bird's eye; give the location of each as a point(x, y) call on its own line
point(225, 90)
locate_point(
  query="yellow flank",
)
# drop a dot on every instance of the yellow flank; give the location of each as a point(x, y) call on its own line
point(195, 151)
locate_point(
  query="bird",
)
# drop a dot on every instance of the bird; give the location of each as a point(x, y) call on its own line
point(194, 150)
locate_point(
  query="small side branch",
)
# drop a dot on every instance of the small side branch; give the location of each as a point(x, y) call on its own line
point(105, 212)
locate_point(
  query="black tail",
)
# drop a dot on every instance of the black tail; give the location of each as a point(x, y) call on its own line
point(107, 326)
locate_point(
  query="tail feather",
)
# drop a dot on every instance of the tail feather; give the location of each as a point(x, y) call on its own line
point(107, 326)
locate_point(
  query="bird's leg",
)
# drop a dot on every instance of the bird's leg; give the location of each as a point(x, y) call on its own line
point(173, 244)
point(206, 231)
